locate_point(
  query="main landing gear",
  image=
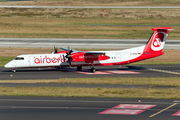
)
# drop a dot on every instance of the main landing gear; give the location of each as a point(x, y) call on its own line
point(79, 68)
point(93, 70)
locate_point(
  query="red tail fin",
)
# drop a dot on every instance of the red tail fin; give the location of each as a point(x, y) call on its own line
point(157, 40)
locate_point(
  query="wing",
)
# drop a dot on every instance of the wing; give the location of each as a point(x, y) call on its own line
point(94, 53)
point(66, 49)
point(85, 53)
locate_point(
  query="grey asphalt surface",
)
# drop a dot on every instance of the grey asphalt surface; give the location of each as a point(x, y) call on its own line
point(81, 43)
point(113, 7)
point(101, 71)
point(83, 85)
point(73, 108)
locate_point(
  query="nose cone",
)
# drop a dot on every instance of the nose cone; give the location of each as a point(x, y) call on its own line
point(8, 65)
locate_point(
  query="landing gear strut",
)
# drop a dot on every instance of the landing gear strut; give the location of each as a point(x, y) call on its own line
point(79, 68)
point(93, 70)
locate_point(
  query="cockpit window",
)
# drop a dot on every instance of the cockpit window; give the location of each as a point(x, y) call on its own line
point(19, 58)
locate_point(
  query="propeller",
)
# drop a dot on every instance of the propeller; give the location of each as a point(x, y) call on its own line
point(55, 50)
point(68, 56)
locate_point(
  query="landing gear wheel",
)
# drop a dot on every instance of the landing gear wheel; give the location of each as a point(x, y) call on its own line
point(79, 68)
point(14, 70)
point(93, 70)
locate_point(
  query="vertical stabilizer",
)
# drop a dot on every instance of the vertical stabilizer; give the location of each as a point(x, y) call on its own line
point(155, 44)
point(157, 40)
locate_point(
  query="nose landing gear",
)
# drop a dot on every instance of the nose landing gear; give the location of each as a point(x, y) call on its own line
point(13, 70)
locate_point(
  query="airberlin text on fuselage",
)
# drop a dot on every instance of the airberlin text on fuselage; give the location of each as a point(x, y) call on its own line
point(48, 60)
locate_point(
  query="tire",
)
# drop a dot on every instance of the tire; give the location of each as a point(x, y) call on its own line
point(93, 70)
point(79, 68)
point(14, 70)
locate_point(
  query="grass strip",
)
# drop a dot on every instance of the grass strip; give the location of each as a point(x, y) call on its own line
point(80, 27)
point(5, 60)
point(91, 92)
point(157, 81)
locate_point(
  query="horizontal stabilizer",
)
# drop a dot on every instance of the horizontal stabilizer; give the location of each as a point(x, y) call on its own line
point(161, 28)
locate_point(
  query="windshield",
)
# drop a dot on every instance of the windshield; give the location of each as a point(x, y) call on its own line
point(19, 58)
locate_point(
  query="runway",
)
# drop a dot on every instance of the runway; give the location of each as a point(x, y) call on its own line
point(81, 43)
point(72, 108)
point(103, 71)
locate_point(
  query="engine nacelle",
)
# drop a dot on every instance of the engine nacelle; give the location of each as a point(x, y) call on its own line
point(88, 58)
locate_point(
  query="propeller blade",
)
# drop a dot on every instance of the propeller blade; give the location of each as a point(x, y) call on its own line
point(55, 49)
point(68, 56)
point(69, 61)
point(70, 52)
point(68, 49)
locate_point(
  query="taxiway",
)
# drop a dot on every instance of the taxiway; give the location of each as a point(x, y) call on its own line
point(64, 108)
point(103, 71)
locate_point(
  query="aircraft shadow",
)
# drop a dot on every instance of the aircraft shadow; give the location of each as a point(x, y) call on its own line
point(132, 68)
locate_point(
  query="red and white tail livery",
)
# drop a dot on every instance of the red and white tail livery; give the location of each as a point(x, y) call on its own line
point(157, 40)
point(74, 58)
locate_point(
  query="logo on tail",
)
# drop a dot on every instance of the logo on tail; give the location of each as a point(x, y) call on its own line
point(158, 41)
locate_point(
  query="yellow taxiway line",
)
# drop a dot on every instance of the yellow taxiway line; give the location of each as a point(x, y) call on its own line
point(163, 110)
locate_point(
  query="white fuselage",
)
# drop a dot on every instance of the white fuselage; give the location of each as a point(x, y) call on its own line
point(59, 60)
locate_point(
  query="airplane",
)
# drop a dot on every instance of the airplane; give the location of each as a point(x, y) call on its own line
point(74, 58)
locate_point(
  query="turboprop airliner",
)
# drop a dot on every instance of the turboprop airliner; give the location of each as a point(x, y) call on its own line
point(73, 58)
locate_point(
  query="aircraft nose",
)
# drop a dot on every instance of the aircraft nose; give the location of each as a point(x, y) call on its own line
point(8, 65)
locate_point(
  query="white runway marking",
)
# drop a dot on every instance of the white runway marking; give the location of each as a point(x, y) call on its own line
point(127, 109)
point(122, 111)
point(134, 106)
point(176, 114)
point(107, 72)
